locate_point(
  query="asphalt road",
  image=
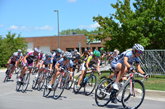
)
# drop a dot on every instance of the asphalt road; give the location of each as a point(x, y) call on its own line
point(32, 99)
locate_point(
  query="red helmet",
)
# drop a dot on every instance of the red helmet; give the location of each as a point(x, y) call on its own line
point(89, 50)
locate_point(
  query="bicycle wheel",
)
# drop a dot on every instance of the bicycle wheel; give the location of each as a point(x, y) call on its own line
point(135, 99)
point(18, 73)
point(70, 82)
point(90, 85)
point(18, 85)
point(75, 90)
point(101, 79)
point(7, 76)
point(47, 91)
point(59, 87)
point(41, 81)
point(25, 84)
point(103, 91)
point(35, 81)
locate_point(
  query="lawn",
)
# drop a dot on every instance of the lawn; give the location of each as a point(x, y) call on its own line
point(153, 83)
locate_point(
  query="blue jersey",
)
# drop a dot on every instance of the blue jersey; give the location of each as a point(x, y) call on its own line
point(55, 57)
point(61, 62)
point(46, 61)
point(19, 55)
point(129, 54)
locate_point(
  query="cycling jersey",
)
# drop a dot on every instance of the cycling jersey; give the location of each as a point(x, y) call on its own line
point(92, 61)
point(31, 57)
point(19, 55)
point(13, 60)
point(42, 55)
point(61, 62)
point(55, 57)
point(85, 55)
point(46, 61)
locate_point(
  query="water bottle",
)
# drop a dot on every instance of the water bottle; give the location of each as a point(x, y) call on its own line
point(85, 79)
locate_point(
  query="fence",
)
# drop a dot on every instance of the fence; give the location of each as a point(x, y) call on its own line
point(153, 62)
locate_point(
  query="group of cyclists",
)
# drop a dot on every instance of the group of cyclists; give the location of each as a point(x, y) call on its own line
point(120, 63)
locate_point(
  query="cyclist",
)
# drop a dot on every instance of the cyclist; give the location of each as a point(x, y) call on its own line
point(123, 63)
point(57, 56)
point(103, 53)
point(13, 60)
point(85, 54)
point(28, 61)
point(47, 61)
point(65, 63)
point(76, 61)
point(91, 61)
point(20, 58)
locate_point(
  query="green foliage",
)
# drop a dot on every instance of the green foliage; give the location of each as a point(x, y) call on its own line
point(77, 31)
point(145, 25)
point(9, 45)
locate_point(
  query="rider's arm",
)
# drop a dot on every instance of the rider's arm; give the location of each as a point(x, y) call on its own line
point(87, 64)
point(126, 62)
point(9, 61)
point(41, 64)
point(37, 62)
point(139, 68)
point(56, 67)
point(25, 59)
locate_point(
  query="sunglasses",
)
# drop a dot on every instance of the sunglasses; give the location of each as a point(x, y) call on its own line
point(140, 52)
point(49, 56)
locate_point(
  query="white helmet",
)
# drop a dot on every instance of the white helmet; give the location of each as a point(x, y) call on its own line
point(49, 54)
point(19, 50)
point(15, 54)
point(138, 47)
point(68, 54)
point(115, 50)
point(36, 50)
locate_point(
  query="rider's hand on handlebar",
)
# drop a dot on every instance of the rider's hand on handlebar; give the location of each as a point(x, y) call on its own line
point(146, 75)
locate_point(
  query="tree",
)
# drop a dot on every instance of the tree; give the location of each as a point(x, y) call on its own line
point(145, 25)
point(9, 45)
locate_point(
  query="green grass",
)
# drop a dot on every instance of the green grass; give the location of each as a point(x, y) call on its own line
point(2, 67)
point(156, 82)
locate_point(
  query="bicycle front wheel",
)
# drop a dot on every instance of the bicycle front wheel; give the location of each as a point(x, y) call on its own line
point(103, 91)
point(41, 81)
point(90, 85)
point(25, 84)
point(59, 88)
point(70, 81)
point(133, 100)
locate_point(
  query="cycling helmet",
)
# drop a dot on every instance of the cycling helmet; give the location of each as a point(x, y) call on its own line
point(89, 50)
point(75, 50)
point(68, 54)
point(62, 52)
point(91, 53)
point(15, 54)
point(96, 53)
point(43, 52)
point(115, 50)
point(78, 56)
point(49, 54)
point(101, 48)
point(19, 50)
point(59, 50)
point(36, 50)
point(138, 47)
point(86, 50)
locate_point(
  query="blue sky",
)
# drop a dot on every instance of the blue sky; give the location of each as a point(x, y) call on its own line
point(34, 18)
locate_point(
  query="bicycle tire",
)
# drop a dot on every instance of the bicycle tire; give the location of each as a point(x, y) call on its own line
point(18, 85)
point(75, 85)
point(70, 82)
point(101, 98)
point(34, 84)
point(46, 91)
point(7, 76)
point(61, 86)
point(91, 81)
point(142, 91)
point(26, 80)
point(41, 82)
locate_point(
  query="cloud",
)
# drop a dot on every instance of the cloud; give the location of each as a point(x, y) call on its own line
point(71, 1)
point(1, 25)
point(24, 28)
point(91, 26)
point(47, 27)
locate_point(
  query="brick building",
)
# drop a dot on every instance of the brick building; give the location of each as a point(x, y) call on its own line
point(67, 42)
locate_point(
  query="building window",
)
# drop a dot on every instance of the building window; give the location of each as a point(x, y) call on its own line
point(88, 48)
point(82, 49)
point(69, 49)
point(99, 48)
point(93, 48)
point(77, 49)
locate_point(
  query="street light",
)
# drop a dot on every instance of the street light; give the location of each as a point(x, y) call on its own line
point(58, 27)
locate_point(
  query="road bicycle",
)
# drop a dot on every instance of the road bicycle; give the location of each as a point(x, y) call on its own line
point(131, 92)
point(25, 81)
point(88, 82)
point(8, 72)
point(59, 85)
point(42, 78)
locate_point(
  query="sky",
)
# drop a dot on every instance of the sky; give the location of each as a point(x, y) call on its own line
point(34, 18)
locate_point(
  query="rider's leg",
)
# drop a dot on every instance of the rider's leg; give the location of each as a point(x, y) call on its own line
point(81, 77)
point(54, 78)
